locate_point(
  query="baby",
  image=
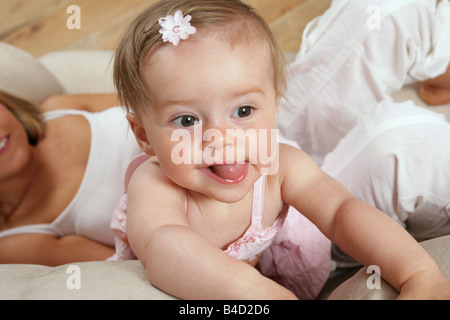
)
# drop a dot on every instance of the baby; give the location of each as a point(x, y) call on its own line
point(202, 81)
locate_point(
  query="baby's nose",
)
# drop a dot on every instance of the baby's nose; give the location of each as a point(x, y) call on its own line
point(219, 145)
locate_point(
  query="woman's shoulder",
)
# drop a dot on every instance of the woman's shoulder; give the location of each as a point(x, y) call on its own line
point(83, 102)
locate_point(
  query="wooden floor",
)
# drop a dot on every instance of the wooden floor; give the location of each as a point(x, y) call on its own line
point(40, 26)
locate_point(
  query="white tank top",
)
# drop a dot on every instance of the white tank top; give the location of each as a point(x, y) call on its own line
point(89, 214)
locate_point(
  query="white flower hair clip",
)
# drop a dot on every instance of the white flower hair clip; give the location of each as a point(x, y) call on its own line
point(176, 28)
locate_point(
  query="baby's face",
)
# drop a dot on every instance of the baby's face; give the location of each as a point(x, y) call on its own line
point(207, 99)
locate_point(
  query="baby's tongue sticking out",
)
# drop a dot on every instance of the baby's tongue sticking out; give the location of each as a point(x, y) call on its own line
point(229, 171)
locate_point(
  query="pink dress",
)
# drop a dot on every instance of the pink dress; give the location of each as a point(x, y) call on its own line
point(292, 250)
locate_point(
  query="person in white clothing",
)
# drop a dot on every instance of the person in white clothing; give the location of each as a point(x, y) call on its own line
point(394, 156)
point(61, 167)
point(347, 64)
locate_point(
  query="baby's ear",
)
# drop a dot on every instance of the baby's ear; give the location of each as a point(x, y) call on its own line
point(140, 134)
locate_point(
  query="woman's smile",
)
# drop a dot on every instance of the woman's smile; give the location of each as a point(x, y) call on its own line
point(4, 144)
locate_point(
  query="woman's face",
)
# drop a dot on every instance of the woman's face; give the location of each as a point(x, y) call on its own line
point(15, 150)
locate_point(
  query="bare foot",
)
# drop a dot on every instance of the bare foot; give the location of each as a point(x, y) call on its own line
point(436, 91)
point(434, 95)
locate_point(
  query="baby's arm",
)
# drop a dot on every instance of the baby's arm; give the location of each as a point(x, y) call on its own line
point(367, 234)
point(177, 259)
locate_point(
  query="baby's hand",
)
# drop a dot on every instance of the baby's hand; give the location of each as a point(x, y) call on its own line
point(426, 286)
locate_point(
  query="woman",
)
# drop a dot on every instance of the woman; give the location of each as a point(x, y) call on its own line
point(61, 171)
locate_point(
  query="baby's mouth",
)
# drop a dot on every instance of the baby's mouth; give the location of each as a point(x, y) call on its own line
point(228, 173)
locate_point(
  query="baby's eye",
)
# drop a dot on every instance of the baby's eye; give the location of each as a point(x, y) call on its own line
point(242, 112)
point(185, 121)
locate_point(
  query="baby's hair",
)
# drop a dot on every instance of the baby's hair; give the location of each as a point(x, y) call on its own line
point(237, 23)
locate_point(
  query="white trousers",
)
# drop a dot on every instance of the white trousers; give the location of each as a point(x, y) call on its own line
point(353, 57)
point(398, 159)
point(394, 156)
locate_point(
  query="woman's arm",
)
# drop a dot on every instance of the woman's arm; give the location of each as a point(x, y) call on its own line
point(86, 102)
point(34, 248)
point(177, 259)
point(364, 232)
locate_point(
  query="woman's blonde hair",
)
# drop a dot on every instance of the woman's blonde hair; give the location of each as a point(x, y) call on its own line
point(237, 21)
point(27, 114)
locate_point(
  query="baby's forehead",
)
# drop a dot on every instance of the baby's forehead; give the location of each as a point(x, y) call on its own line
point(202, 47)
point(205, 68)
point(207, 52)
point(213, 36)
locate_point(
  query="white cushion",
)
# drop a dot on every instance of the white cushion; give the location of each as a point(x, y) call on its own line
point(81, 71)
point(87, 280)
point(23, 75)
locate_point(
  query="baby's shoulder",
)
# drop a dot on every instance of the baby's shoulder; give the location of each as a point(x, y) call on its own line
point(289, 155)
point(149, 185)
point(149, 173)
point(295, 164)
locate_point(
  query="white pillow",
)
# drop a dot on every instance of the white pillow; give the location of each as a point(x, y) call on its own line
point(23, 75)
point(81, 71)
point(363, 286)
point(97, 280)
